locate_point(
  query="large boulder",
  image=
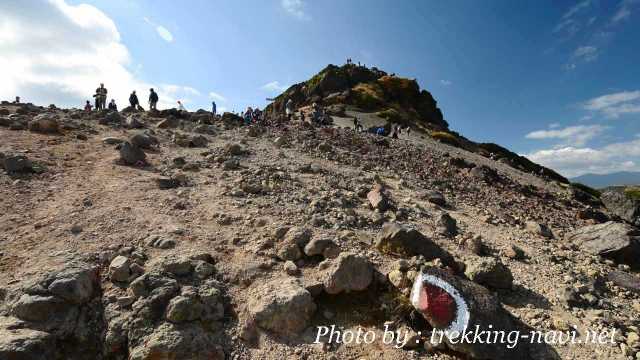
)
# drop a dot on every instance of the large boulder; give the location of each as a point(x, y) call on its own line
point(17, 164)
point(622, 203)
point(131, 154)
point(282, 306)
point(176, 341)
point(45, 123)
point(348, 272)
point(618, 241)
point(112, 117)
point(625, 280)
point(404, 240)
point(144, 140)
point(489, 272)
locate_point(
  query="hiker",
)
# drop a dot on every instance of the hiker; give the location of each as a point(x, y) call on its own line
point(288, 109)
point(181, 107)
point(257, 115)
point(394, 135)
point(408, 131)
point(153, 99)
point(87, 106)
point(213, 108)
point(133, 101)
point(101, 97)
point(17, 100)
point(112, 105)
point(247, 116)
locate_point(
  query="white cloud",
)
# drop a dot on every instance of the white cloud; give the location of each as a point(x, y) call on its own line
point(575, 135)
point(446, 82)
point(274, 86)
point(616, 104)
point(53, 52)
point(574, 161)
point(217, 97)
point(164, 33)
point(295, 8)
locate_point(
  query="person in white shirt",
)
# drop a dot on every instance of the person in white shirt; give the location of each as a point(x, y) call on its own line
point(181, 107)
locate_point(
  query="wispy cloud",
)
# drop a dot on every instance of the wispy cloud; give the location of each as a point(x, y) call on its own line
point(576, 8)
point(624, 10)
point(586, 53)
point(577, 135)
point(616, 104)
point(217, 97)
point(274, 86)
point(162, 31)
point(583, 54)
point(446, 82)
point(295, 8)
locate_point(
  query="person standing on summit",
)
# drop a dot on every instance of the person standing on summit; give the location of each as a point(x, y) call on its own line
point(101, 97)
point(133, 101)
point(213, 108)
point(153, 99)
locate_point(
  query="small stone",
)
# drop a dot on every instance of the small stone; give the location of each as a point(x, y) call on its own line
point(119, 269)
point(290, 268)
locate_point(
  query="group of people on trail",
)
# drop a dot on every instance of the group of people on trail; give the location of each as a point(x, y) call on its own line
point(252, 116)
point(101, 99)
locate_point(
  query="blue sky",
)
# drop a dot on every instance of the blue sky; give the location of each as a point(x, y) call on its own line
point(555, 80)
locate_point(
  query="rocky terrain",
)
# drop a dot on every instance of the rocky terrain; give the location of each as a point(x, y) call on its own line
point(169, 235)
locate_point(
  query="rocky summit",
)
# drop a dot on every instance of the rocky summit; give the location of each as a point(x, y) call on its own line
point(178, 235)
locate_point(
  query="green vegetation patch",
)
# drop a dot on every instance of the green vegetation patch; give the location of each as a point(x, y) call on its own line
point(445, 137)
point(632, 193)
point(368, 96)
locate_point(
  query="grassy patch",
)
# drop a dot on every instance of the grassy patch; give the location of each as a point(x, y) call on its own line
point(368, 96)
point(391, 115)
point(445, 137)
point(632, 193)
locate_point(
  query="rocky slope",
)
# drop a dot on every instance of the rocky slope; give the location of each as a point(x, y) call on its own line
point(167, 235)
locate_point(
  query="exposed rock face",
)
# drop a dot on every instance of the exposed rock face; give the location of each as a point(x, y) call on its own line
point(282, 306)
point(401, 239)
point(618, 241)
point(621, 204)
point(370, 89)
point(349, 272)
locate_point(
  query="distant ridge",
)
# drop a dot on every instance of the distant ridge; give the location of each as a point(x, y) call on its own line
point(605, 180)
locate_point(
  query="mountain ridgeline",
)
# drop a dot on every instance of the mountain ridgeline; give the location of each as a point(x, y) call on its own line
point(394, 100)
